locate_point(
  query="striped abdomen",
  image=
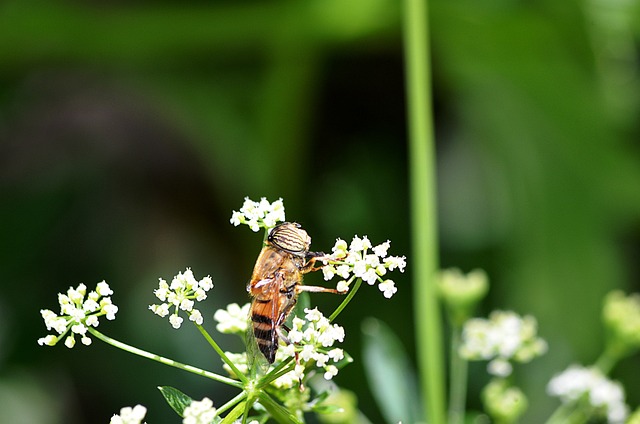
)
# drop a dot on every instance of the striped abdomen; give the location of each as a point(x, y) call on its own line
point(264, 327)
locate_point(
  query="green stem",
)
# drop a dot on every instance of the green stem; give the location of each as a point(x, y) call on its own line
point(346, 301)
point(277, 373)
point(234, 414)
point(563, 413)
point(458, 389)
point(163, 360)
point(240, 397)
point(423, 209)
point(219, 351)
point(610, 357)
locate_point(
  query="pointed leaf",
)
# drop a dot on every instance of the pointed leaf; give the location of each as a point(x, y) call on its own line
point(177, 400)
point(390, 376)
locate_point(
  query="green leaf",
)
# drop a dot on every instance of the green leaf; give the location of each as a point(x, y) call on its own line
point(390, 376)
point(277, 411)
point(177, 400)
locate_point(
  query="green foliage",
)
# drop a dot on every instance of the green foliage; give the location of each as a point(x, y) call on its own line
point(177, 400)
point(390, 375)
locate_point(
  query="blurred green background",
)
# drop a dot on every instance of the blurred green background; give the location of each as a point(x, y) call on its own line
point(129, 131)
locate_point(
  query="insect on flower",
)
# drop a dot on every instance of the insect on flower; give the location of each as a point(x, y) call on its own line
point(276, 283)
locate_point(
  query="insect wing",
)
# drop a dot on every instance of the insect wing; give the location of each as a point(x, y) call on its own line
point(264, 316)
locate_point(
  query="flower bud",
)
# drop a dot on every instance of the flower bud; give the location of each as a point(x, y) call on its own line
point(462, 292)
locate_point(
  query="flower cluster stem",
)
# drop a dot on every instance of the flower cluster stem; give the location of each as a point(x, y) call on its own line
point(346, 301)
point(423, 208)
point(231, 403)
point(219, 351)
point(163, 360)
point(458, 388)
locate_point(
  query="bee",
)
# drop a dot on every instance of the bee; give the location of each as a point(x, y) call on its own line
point(276, 283)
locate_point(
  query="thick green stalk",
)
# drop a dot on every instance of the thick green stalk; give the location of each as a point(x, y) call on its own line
point(423, 209)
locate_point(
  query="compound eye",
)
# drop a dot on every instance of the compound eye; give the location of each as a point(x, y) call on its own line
point(290, 237)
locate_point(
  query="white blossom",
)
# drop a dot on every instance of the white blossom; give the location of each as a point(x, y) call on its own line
point(129, 415)
point(78, 311)
point(360, 260)
point(199, 412)
point(312, 344)
point(260, 214)
point(232, 320)
point(181, 295)
point(577, 382)
point(505, 336)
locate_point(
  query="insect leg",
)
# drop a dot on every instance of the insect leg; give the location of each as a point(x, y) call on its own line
point(317, 289)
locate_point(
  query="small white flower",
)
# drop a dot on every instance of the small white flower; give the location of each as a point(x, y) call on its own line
point(313, 315)
point(336, 354)
point(196, 317)
point(308, 352)
point(342, 286)
point(370, 276)
point(328, 271)
point(298, 371)
point(381, 249)
point(186, 304)
point(175, 321)
point(103, 289)
point(393, 262)
point(500, 367)
point(91, 321)
point(90, 305)
point(199, 412)
point(388, 288)
point(340, 248)
point(160, 310)
point(49, 340)
point(233, 319)
point(70, 341)
point(331, 371)
point(109, 309)
point(130, 415)
point(79, 329)
point(359, 244)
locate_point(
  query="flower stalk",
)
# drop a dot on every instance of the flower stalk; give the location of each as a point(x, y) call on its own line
point(163, 360)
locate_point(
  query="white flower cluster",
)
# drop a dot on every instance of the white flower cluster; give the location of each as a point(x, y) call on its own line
point(260, 214)
point(605, 396)
point(312, 340)
point(232, 320)
point(199, 412)
point(129, 415)
point(181, 294)
point(505, 336)
point(78, 313)
point(357, 261)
